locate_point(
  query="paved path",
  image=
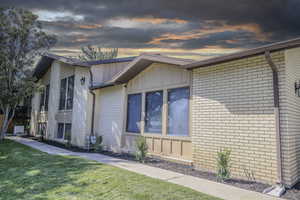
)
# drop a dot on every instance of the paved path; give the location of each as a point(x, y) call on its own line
point(223, 191)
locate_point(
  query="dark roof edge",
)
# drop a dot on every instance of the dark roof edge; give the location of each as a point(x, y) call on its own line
point(113, 60)
point(247, 53)
point(103, 85)
point(46, 60)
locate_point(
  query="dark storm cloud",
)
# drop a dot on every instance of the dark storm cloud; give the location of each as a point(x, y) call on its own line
point(276, 19)
point(117, 37)
point(223, 39)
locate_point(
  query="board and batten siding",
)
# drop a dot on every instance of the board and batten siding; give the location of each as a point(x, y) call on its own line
point(233, 108)
point(109, 110)
point(105, 72)
point(159, 76)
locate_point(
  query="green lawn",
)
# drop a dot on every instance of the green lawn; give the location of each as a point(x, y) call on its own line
point(27, 174)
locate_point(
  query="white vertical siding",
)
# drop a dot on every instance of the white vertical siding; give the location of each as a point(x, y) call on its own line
point(109, 116)
point(80, 113)
point(53, 99)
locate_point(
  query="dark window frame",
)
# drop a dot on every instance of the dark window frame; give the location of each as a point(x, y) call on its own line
point(140, 113)
point(188, 114)
point(146, 112)
point(64, 128)
point(47, 97)
point(42, 126)
point(44, 100)
point(66, 98)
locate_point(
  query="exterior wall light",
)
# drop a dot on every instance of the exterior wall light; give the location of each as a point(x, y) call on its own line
point(297, 88)
point(82, 80)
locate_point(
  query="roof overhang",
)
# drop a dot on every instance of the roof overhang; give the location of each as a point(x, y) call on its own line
point(139, 64)
point(244, 54)
point(46, 61)
point(142, 62)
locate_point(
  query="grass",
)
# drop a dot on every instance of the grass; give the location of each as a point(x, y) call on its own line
point(28, 174)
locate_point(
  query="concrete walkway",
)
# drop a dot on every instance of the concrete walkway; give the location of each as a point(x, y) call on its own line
point(223, 191)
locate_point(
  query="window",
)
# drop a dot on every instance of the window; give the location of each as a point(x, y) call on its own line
point(66, 93)
point(47, 97)
point(70, 93)
point(134, 105)
point(60, 131)
point(178, 111)
point(153, 118)
point(44, 99)
point(42, 127)
point(64, 131)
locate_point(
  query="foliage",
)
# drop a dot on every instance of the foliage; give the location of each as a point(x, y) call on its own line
point(21, 41)
point(223, 164)
point(29, 174)
point(90, 53)
point(98, 145)
point(142, 149)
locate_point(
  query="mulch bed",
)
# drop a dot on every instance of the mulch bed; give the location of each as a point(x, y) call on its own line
point(292, 194)
point(189, 170)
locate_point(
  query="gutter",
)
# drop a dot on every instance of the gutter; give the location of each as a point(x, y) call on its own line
point(277, 115)
point(93, 103)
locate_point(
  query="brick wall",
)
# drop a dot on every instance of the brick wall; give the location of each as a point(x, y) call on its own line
point(232, 107)
point(290, 117)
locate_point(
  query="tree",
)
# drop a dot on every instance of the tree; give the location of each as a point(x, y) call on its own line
point(90, 53)
point(21, 41)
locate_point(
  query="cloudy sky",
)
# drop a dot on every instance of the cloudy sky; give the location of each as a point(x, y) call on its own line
point(195, 29)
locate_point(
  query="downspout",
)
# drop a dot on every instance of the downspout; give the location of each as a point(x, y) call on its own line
point(93, 103)
point(277, 114)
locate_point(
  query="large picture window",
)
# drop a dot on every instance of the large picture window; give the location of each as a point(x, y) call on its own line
point(153, 118)
point(64, 131)
point(66, 93)
point(44, 99)
point(134, 105)
point(178, 111)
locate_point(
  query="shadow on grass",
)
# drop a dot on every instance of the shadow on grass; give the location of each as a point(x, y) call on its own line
point(26, 173)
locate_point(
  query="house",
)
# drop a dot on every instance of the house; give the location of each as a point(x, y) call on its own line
point(247, 102)
point(62, 111)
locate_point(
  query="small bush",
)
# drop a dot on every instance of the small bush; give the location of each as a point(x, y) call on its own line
point(142, 149)
point(223, 164)
point(98, 145)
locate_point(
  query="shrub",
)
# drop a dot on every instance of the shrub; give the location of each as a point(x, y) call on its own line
point(223, 164)
point(98, 145)
point(142, 149)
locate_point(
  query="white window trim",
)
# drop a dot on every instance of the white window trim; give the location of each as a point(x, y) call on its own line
point(66, 93)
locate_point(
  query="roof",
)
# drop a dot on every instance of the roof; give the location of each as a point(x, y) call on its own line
point(45, 62)
point(114, 60)
point(142, 62)
point(47, 59)
point(247, 53)
point(102, 85)
point(139, 64)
